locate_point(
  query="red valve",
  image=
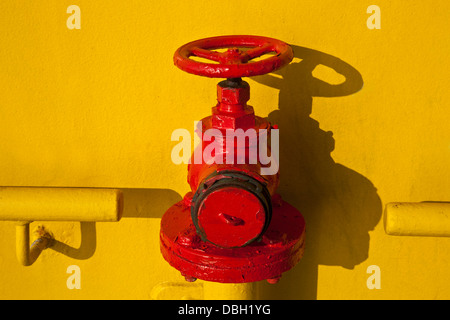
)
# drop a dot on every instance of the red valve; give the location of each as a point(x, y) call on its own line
point(232, 226)
point(235, 62)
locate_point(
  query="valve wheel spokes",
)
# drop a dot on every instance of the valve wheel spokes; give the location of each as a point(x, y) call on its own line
point(233, 55)
point(235, 62)
point(207, 54)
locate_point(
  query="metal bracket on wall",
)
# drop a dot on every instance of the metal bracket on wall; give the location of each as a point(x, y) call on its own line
point(429, 219)
point(26, 204)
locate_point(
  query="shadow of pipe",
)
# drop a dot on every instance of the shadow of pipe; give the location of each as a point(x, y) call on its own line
point(138, 203)
point(340, 205)
point(87, 246)
point(148, 203)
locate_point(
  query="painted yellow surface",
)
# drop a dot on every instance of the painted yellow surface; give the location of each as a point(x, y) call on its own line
point(96, 106)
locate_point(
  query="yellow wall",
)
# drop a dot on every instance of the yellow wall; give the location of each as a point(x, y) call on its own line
point(96, 107)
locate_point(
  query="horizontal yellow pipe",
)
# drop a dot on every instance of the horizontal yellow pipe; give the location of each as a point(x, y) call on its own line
point(417, 219)
point(60, 204)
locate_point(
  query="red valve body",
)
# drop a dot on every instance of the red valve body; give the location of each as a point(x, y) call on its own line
point(232, 227)
point(217, 216)
point(230, 114)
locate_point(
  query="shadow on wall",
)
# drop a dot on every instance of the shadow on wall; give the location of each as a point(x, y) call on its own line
point(139, 203)
point(340, 206)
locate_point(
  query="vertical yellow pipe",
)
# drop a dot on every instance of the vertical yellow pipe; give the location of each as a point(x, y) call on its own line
point(229, 291)
point(27, 254)
point(22, 242)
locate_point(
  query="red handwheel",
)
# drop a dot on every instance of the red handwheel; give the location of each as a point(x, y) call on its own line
point(237, 61)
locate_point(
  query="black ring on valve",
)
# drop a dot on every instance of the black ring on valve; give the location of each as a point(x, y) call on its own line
point(226, 179)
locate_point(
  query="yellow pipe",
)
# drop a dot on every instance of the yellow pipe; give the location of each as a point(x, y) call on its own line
point(22, 243)
point(417, 219)
point(27, 254)
point(60, 204)
point(229, 291)
point(26, 204)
